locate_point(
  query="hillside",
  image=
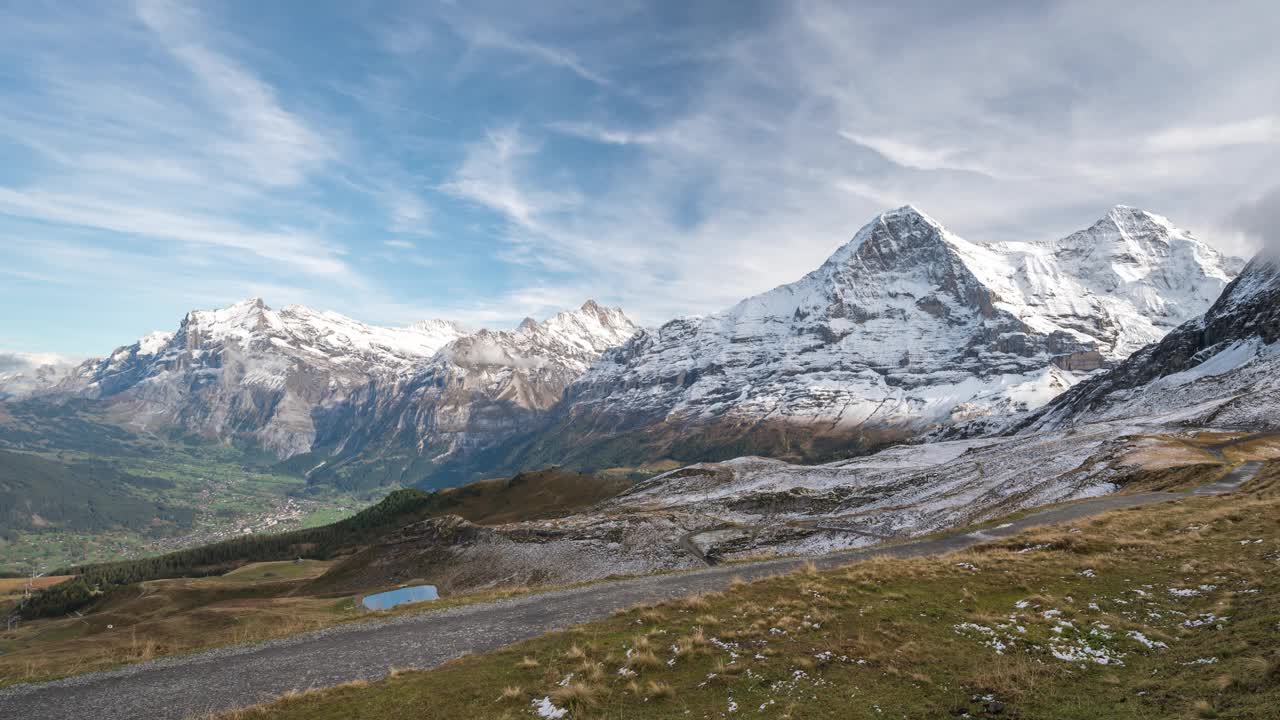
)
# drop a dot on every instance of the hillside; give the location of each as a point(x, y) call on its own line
point(37, 494)
point(1161, 611)
point(526, 497)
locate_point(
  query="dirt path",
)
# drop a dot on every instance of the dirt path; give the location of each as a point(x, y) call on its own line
point(198, 685)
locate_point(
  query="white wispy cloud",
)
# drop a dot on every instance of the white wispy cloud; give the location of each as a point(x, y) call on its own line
point(1255, 131)
point(294, 249)
point(492, 175)
point(915, 156)
point(276, 146)
point(487, 36)
point(603, 134)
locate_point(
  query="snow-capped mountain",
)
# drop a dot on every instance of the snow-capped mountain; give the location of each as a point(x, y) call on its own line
point(297, 380)
point(22, 374)
point(1218, 370)
point(1127, 280)
point(477, 395)
point(250, 373)
point(531, 365)
point(906, 328)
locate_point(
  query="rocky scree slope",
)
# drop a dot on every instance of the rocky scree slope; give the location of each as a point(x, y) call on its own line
point(905, 329)
point(712, 512)
point(1218, 370)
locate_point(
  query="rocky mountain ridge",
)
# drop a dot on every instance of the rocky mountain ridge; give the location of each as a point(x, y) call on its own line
point(1218, 370)
point(905, 329)
point(289, 381)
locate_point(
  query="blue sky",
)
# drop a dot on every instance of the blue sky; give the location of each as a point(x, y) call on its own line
point(487, 161)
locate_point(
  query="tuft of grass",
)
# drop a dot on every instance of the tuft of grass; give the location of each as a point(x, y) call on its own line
point(575, 653)
point(696, 603)
point(577, 695)
point(658, 690)
point(643, 660)
point(652, 616)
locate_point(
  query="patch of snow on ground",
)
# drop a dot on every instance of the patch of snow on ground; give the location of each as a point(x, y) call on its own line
point(547, 709)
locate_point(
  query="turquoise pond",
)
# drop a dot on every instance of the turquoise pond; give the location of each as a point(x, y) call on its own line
point(400, 596)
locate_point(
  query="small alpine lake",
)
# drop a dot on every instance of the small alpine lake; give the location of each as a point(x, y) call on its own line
point(400, 596)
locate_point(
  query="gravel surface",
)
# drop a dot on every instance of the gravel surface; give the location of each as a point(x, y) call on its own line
point(228, 678)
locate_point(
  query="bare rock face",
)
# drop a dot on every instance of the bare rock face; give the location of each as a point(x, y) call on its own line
point(905, 329)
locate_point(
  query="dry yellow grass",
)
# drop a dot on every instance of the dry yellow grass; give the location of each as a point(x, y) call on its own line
point(577, 695)
point(658, 690)
point(575, 653)
point(643, 660)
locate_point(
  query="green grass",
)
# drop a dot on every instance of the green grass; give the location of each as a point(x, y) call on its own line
point(325, 516)
point(83, 489)
point(275, 571)
point(916, 638)
point(175, 496)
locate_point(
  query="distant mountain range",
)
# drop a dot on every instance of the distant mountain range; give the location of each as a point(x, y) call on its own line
point(905, 330)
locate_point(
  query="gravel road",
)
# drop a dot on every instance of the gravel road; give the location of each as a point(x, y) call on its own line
point(201, 684)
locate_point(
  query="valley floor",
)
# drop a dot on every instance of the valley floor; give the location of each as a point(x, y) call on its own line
point(1166, 609)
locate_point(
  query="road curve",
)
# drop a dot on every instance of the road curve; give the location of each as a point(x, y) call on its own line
point(229, 678)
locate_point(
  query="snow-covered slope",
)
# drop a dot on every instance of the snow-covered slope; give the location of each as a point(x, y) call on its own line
point(711, 512)
point(1128, 279)
point(907, 327)
point(298, 381)
point(1221, 369)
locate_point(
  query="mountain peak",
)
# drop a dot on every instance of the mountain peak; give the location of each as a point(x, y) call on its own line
point(893, 233)
point(255, 303)
point(236, 319)
point(437, 324)
point(1136, 221)
point(908, 212)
